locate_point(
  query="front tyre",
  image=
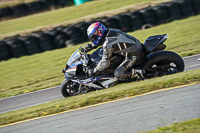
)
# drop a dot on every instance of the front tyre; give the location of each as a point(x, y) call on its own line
point(69, 88)
point(163, 63)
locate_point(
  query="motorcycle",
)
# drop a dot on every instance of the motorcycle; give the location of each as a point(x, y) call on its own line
point(154, 63)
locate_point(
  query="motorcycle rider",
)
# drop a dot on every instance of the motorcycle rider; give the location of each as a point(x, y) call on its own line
point(113, 41)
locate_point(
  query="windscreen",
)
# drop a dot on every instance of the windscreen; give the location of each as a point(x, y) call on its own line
point(74, 57)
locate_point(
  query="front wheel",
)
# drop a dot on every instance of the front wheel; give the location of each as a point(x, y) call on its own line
point(69, 88)
point(163, 63)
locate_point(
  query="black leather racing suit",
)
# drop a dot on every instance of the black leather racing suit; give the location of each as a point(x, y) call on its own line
point(123, 44)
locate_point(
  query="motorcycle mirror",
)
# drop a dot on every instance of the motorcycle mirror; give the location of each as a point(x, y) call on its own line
point(63, 71)
point(82, 51)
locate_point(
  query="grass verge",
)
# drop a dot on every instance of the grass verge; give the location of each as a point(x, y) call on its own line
point(40, 71)
point(119, 91)
point(190, 126)
point(72, 14)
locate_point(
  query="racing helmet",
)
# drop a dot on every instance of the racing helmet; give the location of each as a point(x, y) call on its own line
point(95, 32)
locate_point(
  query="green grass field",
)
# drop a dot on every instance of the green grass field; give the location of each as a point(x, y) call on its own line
point(40, 71)
point(190, 126)
point(64, 14)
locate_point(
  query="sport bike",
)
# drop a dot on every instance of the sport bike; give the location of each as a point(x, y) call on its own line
point(154, 63)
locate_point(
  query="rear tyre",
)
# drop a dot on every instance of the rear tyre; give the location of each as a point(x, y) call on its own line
point(163, 63)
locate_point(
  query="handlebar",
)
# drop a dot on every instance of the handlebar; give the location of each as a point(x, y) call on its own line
point(84, 57)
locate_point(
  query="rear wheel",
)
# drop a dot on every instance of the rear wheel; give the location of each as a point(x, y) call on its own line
point(163, 63)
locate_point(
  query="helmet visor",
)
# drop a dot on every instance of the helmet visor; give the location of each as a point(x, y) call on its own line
point(93, 37)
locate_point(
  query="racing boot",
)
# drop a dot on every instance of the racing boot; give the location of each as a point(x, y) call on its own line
point(138, 73)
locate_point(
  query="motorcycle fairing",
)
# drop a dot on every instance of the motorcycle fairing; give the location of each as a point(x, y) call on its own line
point(72, 69)
point(88, 82)
point(91, 82)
